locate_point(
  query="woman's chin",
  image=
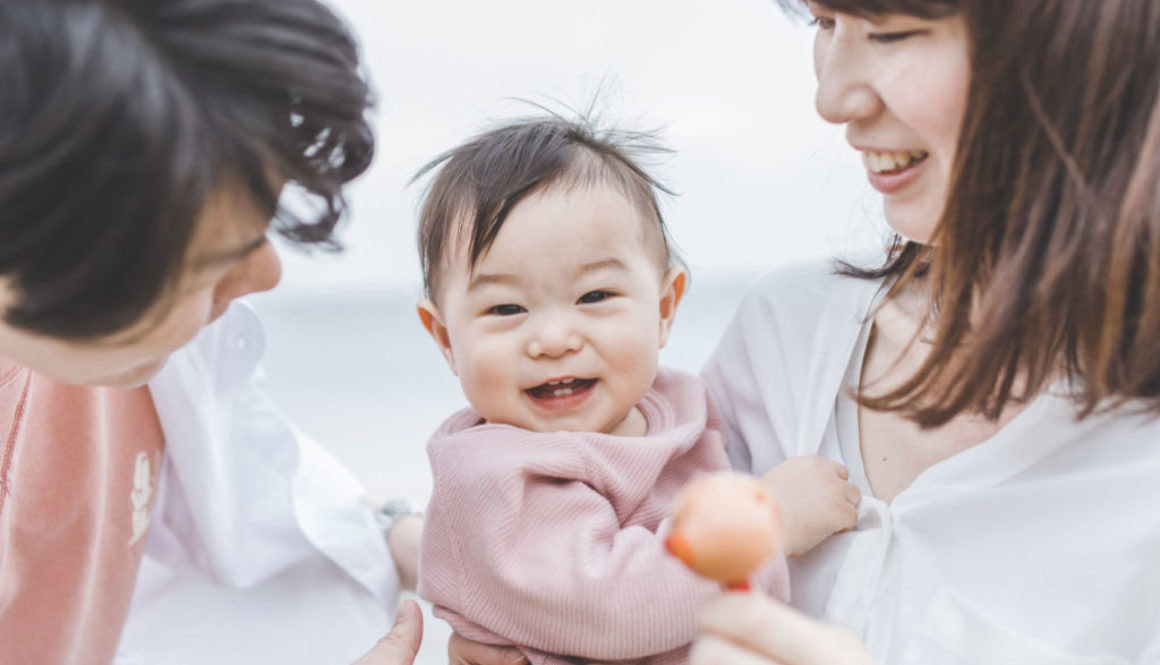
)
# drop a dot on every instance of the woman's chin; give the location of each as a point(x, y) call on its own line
point(134, 377)
point(913, 222)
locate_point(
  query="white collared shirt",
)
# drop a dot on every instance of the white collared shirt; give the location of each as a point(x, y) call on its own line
point(1038, 546)
point(260, 549)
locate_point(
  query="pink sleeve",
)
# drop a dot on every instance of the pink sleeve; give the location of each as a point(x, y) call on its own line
point(519, 543)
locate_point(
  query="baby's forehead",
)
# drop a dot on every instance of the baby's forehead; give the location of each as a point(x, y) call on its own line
point(472, 235)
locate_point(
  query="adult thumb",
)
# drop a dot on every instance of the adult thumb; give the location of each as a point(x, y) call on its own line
point(399, 646)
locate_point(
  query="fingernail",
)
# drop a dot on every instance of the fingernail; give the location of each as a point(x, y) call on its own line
point(407, 611)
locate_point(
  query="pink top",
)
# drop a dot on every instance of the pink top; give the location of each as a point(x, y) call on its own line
point(78, 467)
point(554, 541)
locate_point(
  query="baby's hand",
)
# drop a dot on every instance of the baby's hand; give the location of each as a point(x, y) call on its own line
point(816, 500)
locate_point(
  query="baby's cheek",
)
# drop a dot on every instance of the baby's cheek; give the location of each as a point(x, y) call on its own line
point(487, 378)
point(493, 362)
point(634, 357)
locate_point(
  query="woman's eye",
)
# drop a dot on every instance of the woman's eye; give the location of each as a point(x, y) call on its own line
point(594, 296)
point(505, 310)
point(891, 37)
point(822, 22)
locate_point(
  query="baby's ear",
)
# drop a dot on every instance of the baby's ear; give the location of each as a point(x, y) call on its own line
point(432, 320)
point(672, 290)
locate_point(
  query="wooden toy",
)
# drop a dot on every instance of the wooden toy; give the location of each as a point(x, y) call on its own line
point(725, 527)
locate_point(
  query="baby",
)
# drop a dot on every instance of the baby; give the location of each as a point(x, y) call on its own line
point(551, 288)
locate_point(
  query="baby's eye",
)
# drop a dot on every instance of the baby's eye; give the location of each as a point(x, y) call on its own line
point(505, 310)
point(594, 296)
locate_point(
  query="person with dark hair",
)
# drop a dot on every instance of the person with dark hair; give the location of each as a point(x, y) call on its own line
point(147, 488)
point(551, 288)
point(994, 387)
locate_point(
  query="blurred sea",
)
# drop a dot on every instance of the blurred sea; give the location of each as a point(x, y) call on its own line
point(356, 370)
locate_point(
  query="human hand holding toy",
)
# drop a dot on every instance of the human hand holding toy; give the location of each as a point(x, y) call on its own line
point(725, 527)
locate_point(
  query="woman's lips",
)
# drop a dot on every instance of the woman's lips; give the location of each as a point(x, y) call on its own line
point(561, 395)
point(890, 176)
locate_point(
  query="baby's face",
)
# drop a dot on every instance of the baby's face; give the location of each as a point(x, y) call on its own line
point(559, 325)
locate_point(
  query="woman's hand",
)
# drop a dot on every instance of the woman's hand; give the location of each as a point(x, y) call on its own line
point(462, 651)
point(751, 629)
point(399, 646)
point(403, 541)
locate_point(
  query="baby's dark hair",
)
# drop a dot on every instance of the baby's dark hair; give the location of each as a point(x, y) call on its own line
point(481, 181)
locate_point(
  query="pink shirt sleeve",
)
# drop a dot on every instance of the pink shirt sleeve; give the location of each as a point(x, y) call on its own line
point(78, 467)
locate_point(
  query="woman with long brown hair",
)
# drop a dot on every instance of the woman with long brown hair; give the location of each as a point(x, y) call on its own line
point(993, 387)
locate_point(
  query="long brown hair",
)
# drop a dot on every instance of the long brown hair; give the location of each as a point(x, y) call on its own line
point(1046, 261)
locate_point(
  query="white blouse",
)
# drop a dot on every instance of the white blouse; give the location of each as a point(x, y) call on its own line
point(260, 548)
point(1038, 546)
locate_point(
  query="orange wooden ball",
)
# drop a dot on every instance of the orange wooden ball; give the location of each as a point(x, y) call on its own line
point(725, 527)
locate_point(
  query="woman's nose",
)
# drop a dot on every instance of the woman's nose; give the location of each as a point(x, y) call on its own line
point(845, 92)
point(553, 338)
point(259, 271)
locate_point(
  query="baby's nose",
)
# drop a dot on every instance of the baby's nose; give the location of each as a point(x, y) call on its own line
point(554, 340)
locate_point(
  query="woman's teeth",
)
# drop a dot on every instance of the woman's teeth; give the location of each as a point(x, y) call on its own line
point(891, 162)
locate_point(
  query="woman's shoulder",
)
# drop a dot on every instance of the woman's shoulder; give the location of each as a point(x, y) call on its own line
point(779, 364)
point(797, 326)
point(799, 295)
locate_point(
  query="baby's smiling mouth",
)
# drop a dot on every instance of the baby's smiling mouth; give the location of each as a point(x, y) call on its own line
point(564, 388)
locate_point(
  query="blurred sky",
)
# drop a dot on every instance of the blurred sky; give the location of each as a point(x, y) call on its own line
point(761, 179)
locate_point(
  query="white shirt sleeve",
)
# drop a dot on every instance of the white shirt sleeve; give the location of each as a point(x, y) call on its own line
point(784, 351)
point(260, 548)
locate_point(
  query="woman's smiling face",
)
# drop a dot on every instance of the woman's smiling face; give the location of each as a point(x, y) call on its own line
point(899, 83)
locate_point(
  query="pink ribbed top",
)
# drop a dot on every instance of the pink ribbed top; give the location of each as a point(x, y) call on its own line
point(554, 541)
